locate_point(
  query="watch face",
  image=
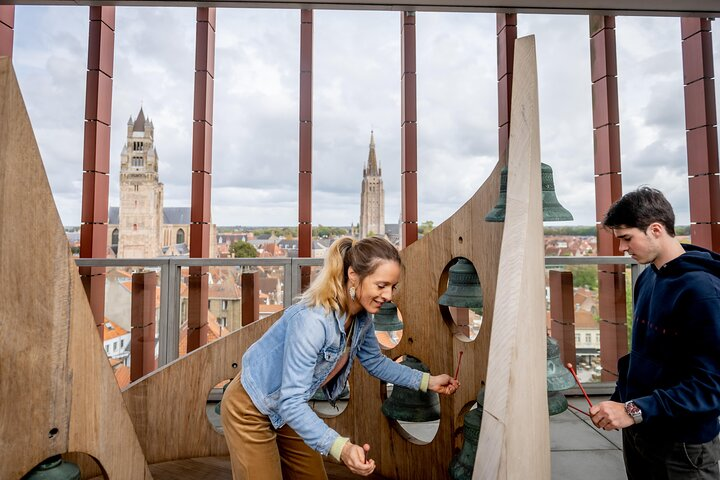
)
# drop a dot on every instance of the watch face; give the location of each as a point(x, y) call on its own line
point(632, 409)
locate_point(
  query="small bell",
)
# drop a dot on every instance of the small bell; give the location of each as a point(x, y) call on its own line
point(559, 378)
point(386, 319)
point(552, 210)
point(461, 466)
point(463, 289)
point(557, 403)
point(412, 405)
point(54, 468)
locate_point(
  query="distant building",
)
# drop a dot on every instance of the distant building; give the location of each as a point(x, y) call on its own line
point(372, 196)
point(142, 227)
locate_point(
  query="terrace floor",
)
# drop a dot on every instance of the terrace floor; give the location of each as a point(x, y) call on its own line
point(578, 450)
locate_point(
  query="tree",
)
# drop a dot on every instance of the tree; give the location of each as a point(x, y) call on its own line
point(426, 227)
point(585, 276)
point(241, 249)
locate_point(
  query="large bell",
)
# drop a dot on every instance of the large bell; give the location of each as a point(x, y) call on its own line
point(552, 210)
point(412, 405)
point(463, 289)
point(386, 319)
point(54, 468)
point(557, 403)
point(461, 465)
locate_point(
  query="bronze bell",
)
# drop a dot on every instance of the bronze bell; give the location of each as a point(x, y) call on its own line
point(461, 466)
point(54, 468)
point(552, 210)
point(412, 405)
point(557, 403)
point(559, 378)
point(463, 289)
point(386, 319)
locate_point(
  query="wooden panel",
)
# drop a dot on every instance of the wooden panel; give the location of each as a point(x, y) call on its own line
point(58, 391)
point(514, 437)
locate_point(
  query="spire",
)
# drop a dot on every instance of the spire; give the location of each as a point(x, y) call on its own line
point(139, 125)
point(372, 168)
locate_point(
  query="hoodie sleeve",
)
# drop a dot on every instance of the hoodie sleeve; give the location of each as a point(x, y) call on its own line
point(699, 391)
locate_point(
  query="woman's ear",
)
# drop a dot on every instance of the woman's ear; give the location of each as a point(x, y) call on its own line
point(352, 276)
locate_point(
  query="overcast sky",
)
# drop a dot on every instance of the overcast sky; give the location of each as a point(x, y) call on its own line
point(356, 89)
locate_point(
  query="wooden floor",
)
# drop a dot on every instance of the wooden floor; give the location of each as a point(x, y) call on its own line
point(218, 468)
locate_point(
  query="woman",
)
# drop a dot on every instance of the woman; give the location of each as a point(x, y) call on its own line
point(271, 431)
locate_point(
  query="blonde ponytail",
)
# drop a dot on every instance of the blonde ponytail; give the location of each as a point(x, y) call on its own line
point(329, 288)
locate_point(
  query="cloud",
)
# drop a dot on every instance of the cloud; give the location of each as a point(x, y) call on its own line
point(356, 86)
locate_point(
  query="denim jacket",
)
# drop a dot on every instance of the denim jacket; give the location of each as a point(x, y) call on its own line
point(286, 366)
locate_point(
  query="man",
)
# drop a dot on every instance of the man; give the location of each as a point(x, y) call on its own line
point(667, 398)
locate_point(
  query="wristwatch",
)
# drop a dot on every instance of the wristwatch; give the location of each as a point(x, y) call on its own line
point(634, 411)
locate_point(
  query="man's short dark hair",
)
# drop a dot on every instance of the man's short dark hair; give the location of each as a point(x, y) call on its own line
point(639, 209)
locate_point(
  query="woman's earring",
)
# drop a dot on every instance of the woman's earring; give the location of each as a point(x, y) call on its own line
point(352, 293)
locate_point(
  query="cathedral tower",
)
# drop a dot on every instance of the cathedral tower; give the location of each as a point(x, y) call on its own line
point(141, 194)
point(372, 196)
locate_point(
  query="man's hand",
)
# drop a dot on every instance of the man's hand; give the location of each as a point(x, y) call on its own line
point(610, 416)
point(444, 384)
point(355, 459)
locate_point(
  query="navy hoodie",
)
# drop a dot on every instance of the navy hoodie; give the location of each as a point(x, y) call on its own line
point(673, 370)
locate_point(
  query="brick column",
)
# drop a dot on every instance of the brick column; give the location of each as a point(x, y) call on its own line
point(96, 156)
point(408, 161)
point(250, 285)
point(305, 154)
point(142, 321)
point(506, 36)
point(7, 23)
point(201, 176)
point(562, 313)
point(701, 125)
point(608, 189)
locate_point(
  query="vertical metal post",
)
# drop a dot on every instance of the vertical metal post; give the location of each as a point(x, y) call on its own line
point(96, 156)
point(305, 163)
point(408, 160)
point(142, 321)
point(702, 137)
point(608, 188)
point(7, 24)
point(562, 313)
point(201, 176)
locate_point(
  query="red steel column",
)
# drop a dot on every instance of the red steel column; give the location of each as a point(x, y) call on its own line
point(562, 313)
point(408, 161)
point(96, 156)
point(506, 36)
point(701, 125)
point(142, 321)
point(201, 178)
point(608, 189)
point(305, 154)
point(250, 297)
point(7, 23)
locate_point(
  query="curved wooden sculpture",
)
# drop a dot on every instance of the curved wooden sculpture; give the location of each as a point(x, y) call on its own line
point(514, 436)
point(54, 371)
point(57, 390)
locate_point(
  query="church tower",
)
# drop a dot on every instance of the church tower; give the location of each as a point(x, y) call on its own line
point(141, 194)
point(372, 196)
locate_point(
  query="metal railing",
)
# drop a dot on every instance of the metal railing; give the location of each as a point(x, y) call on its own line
point(170, 279)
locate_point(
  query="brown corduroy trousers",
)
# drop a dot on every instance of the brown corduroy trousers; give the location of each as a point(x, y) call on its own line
point(257, 450)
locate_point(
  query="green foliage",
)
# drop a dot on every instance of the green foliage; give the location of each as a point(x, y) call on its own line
point(584, 276)
point(328, 232)
point(425, 227)
point(578, 230)
point(242, 249)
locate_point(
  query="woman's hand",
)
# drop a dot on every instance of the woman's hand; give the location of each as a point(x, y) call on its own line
point(355, 459)
point(444, 384)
